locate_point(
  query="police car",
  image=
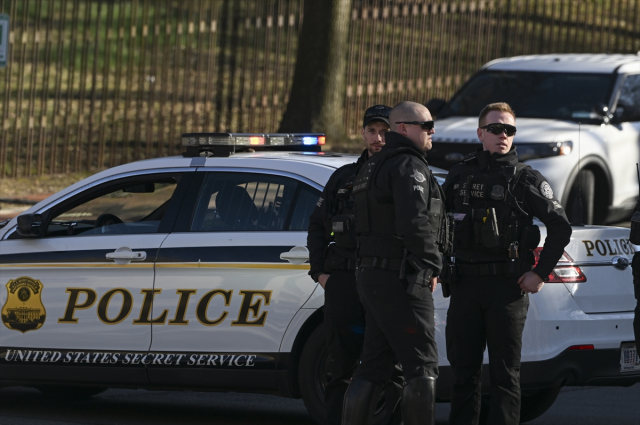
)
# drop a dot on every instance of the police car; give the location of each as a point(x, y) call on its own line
point(578, 120)
point(191, 273)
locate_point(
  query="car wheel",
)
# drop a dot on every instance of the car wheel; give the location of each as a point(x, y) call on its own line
point(533, 404)
point(587, 192)
point(61, 391)
point(313, 375)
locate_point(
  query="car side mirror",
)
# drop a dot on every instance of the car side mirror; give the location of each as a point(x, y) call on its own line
point(30, 225)
point(603, 110)
point(435, 105)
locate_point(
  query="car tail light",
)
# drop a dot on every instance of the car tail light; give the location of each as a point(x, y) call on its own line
point(563, 273)
point(581, 347)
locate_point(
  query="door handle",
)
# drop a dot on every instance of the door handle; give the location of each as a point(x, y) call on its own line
point(297, 255)
point(124, 255)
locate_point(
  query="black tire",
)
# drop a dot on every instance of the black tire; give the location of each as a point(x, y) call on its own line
point(587, 193)
point(69, 393)
point(533, 404)
point(313, 375)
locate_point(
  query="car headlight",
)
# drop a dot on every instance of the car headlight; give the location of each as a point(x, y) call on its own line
point(543, 150)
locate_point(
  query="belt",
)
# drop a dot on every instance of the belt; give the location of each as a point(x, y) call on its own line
point(381, 263)
point(484, 269)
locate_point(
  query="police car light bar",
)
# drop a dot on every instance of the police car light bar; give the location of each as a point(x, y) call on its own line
point(224, 144)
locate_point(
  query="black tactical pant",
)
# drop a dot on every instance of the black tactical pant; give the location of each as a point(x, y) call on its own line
point(486, 311)
point(399, 326)
point(344, 330)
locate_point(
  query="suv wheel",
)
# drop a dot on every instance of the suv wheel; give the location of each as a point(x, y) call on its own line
point(587, 193)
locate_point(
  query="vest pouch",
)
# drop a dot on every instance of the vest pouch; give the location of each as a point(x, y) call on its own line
point(343, 228)
point(334, 261)
point(479, 215)
point(463, 233)
point(489, 233)
point(634, 235)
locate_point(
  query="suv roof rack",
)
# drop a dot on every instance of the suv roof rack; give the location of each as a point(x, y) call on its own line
point(225, 144)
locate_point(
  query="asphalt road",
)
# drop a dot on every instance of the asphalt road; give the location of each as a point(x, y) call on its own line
point(24, 406)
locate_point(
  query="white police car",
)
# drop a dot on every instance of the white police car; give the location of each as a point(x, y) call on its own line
point(578, 119)
point(190, 272)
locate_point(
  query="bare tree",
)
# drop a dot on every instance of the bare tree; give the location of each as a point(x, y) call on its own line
point(316, 102)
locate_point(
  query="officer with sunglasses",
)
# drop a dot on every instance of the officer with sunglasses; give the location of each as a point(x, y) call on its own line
point(494, 199)
point(398, 204)
point(332, 246)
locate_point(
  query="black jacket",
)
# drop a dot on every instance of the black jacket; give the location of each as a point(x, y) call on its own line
point(398, 201)
point(535, 196)
point(319, 235)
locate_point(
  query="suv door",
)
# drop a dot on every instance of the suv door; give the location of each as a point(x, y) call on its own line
point(227, 295)
point(81, 294)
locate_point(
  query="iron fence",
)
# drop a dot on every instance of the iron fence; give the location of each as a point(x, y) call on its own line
point(91, 84)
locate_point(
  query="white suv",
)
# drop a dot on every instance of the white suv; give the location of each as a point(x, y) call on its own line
point(578, 115)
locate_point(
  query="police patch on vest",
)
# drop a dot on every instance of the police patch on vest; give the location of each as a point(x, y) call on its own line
point(418, 176)
point(497, 192)
point(319, 202)
point(545, 190)
point(23, 310)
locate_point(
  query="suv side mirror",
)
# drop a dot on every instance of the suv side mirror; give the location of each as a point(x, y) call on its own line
point(603, 110)
point(30, 225)
point(435, 105)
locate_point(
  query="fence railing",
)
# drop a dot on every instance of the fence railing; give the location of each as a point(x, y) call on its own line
point(91, 84)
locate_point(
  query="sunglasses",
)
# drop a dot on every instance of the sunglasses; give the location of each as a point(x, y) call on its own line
point(377, 112)
point(500, 128)
point(426, 125)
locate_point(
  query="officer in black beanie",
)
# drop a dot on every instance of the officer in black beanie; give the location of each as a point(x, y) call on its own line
point(332, 246)
point(494, 199)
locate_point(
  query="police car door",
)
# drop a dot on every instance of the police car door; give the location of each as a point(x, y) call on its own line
point(80, 295)
point(227, 295)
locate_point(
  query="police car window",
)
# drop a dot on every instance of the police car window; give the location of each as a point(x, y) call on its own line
point(306, 202)
point(243, 202)
point(629, 100)
point(125, 208)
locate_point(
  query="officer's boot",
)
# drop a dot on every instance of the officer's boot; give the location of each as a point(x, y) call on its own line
point(359, 402)
point(419, 401)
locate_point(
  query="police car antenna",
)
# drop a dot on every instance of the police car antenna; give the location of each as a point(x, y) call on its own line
point(576, 208)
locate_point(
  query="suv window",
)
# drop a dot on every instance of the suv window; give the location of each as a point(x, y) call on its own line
point(127, 207)
point(554, 95)
point(629, 101)
point(231, 202)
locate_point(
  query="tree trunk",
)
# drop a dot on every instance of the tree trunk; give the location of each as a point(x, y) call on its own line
point(316, 102)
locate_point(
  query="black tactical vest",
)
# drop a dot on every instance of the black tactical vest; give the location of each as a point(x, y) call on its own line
point(375, 227)
point(488, 211)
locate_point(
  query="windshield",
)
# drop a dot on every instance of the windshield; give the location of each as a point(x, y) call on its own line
point(555, 95)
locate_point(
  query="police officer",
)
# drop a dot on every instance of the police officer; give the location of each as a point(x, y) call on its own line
point(494, 198)
point(332, 244)
point(397, 261)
